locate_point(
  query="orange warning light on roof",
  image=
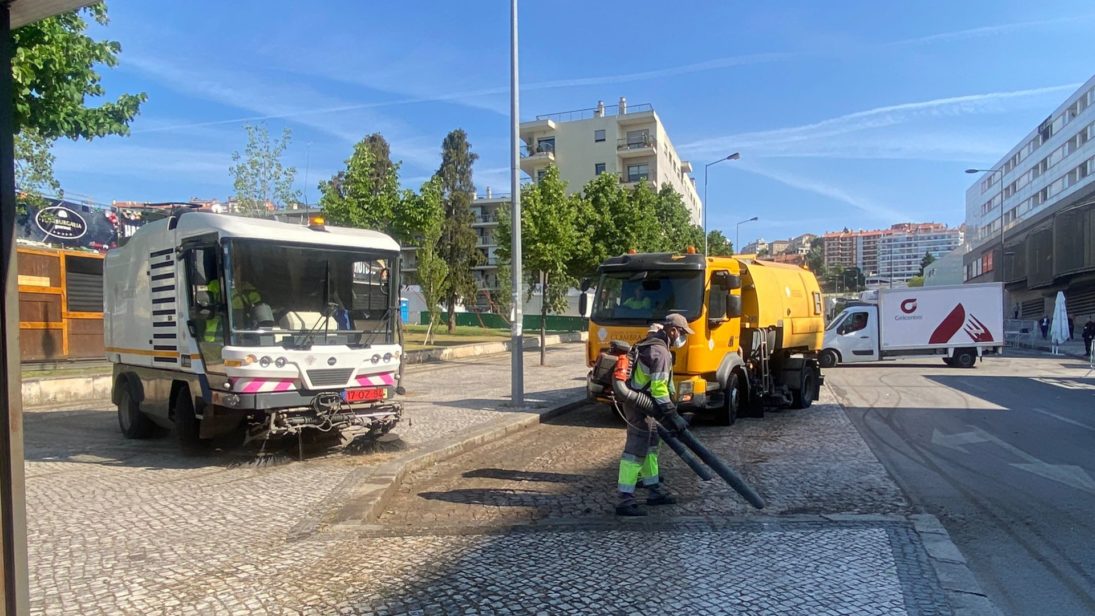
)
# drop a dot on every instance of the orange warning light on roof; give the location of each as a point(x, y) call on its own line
point(690, 250)
point(316, 222)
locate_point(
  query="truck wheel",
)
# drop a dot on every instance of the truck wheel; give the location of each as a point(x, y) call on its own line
point(828, 358)
point(729, 413)
point(131, 420)
point(964, 359)
point(187, 425)
point(804, 397)
point(948, 361)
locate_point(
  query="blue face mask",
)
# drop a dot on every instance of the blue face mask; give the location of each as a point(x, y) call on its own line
point(679, 342)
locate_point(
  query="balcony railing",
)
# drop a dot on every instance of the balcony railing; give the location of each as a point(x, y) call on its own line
point(585, 114)
point(636, 144)
point(543, 150)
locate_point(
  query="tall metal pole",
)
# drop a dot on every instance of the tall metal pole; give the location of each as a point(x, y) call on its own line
point(705, 168)
point(13, 514)
point(517, 350)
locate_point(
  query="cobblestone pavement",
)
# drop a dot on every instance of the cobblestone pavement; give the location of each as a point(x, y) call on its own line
point(807, 461)
point(132, 526)
point(518, 526)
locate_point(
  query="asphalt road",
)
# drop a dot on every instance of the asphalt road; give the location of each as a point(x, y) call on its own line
point(1004, 455)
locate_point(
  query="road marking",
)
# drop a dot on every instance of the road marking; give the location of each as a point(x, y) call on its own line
point(1064, 419)
point(1067, 474)
point(1067, 383)
point(957, 441)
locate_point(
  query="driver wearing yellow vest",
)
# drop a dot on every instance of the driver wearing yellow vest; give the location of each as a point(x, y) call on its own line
point(243, 298)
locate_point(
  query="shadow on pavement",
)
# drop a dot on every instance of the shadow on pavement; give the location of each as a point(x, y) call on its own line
point(510, 475)
point(87, 436)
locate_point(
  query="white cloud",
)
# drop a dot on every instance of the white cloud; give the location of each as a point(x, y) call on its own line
point(822, 138)
point(825, 189)
point(985, 31)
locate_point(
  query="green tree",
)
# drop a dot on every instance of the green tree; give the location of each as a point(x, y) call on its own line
point(457, 243)
point(55, 71)
point(549, 242)
point(928, 259)
point(916, 281)
point(674, 220)
point(431, 269)
point(259, 176)
point(613, 222)
point(718, 245)
point(815, 258)
point(34, 168)
point(366, 194)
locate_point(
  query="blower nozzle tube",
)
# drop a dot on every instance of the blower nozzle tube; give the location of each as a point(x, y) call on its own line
point(681, 432)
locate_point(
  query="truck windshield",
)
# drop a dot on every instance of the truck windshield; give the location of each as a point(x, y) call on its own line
point(296, 296)
point(644, 296)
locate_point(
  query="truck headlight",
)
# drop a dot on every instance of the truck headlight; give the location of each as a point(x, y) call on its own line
point(280, 362)
point(387, 357)
point(376, 358)
point(265, 361)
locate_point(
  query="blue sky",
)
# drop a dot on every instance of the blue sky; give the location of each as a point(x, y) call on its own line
point(858, 114)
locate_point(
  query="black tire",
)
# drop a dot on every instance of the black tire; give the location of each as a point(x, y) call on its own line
point(828, 359)
point(804, 397)
point(965, 358)
point(732, 405)
point(187, 424)
point(132, 422)
point(948, 361)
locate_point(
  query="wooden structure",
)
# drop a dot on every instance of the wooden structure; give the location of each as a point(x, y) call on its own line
point(60, 304)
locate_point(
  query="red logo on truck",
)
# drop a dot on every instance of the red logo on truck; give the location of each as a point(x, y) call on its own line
point(909, 306)
point(956, 320)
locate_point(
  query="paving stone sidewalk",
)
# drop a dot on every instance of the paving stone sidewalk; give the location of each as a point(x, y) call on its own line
point(117, 526)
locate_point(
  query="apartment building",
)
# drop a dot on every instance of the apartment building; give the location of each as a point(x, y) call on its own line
point(892, 254)
point(1032, 215)
point(901, 249)
point(630, 142)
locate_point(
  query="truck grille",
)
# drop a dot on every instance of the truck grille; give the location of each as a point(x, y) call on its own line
point(330, 376)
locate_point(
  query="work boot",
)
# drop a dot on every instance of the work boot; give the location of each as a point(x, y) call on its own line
point(659, 496)
point(626, 506)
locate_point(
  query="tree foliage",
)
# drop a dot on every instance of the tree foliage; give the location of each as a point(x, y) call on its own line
point(259, 176)
point(366, 194)
point(916, 281)
point(34, 167)
point(815, 257)
point(431, 270)
point(457, 243)
point(54, 72)
point(718, 245)
point(54, 69)
point(928, 259)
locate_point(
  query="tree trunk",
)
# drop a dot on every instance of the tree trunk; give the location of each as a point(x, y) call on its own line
point(452, 313)
point(543, 315)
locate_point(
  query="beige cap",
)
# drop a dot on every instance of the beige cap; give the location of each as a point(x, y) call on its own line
point(678, 321)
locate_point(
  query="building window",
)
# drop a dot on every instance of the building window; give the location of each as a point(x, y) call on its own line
point(540, 173)
point(638, 172)
point(598, 168)
point(546, 144)
point(638, 138)
point(599, 135)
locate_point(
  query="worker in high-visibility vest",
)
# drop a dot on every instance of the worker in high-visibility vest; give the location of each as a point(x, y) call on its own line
point(244, 298)
point(652, 374)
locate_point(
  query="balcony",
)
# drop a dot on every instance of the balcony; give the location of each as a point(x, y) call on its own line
point(643, 146)
point(534, 158)
point(630, 180)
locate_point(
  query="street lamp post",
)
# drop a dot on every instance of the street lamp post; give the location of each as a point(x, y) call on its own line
point(734, 156)
point(517, 360)
point(737, 233)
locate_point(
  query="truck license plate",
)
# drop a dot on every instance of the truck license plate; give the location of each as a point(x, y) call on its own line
point(364, 395)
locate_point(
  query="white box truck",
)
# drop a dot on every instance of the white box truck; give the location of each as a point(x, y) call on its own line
point(213, 321)
point(960, 323)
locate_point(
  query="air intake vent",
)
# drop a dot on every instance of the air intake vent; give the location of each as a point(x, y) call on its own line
point(330, 377)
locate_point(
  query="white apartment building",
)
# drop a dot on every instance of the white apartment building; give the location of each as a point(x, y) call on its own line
point(901, 250)
point(630, 142)
point(1031, 219)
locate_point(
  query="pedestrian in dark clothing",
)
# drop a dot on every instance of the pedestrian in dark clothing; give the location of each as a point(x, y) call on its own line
point(1070, 327)
point(1088, 334)
point(1044, 325)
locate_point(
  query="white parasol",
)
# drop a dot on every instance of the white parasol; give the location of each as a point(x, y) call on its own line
point(1058, 328)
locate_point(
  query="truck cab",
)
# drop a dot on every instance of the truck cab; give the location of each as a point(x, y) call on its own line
point(853, 335)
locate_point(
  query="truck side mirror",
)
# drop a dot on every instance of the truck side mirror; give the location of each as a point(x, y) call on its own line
point(717, 305)
point(733, 305)
point(726, 280)
point(585, 284)
point(583, 304)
